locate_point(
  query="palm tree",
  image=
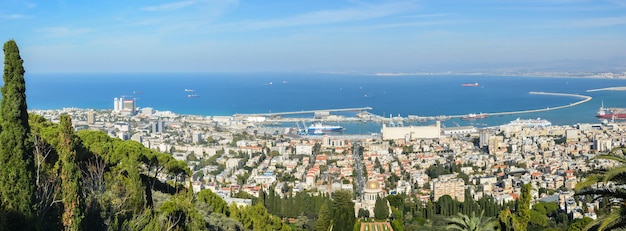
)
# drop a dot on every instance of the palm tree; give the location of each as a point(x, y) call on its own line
point(609, 184)
point(463, 222)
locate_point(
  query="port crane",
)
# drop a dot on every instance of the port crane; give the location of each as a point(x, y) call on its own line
point(303, 129)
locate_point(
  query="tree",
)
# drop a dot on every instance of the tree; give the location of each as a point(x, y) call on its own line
point(579, 224)
point(598, 184)
point(504, 219)
point(522, 210)
point(179, 169)
point(303, 223)
point(70, 177)
point(395, 200)
point(463, 222)
point(216, 203)
point(518, 220)
point(323, 218)
point(17, 182)
point(538, 219)
point(47, 180)
point(363, 213)
point(342, 210)
point(381, 209)
point(398, 219)
point(180, 214)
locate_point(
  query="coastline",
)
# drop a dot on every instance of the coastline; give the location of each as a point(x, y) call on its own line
point(584, 75)
point(623, 88)
point(227, 95)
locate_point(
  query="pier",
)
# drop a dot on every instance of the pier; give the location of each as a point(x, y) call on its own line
point(324, 111)
point(364, 115)
point(584, 99)
point(608, 89)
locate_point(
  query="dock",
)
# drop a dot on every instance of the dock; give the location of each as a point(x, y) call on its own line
point(608, 89)
point(583, 98)
point(365, 115)
point(321, 111)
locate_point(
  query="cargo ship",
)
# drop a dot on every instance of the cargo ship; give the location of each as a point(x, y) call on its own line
point(469, 85)
point(319, 128)
point(611, 113)
point(473, 116)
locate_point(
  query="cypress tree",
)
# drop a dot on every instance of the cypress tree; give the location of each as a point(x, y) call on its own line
point(522, 210)
point(323, 218)
point(342, 210)
point(70, 177)
point(381, 210)
point(17, 182)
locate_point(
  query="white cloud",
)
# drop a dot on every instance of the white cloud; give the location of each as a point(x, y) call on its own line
point(30, 5)
point(169, 6)
point(62, 31)
point(13, 16)
point(620, 3)
point(330, 16)
point(590, 22)
point(428, 15)
point(418, 24)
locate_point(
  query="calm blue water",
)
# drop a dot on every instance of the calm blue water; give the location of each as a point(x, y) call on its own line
point(227, 94)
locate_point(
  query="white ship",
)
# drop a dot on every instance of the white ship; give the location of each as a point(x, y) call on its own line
point(319, 128)
point(530, 122)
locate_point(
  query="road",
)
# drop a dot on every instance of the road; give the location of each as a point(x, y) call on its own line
point(358, 167)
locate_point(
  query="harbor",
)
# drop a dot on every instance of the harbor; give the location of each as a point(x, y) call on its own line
point(363, 114)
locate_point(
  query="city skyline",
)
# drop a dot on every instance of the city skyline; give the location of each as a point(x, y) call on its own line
point(318, 36)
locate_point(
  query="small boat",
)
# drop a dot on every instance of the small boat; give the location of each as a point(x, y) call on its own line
point(469, 85)
point(193, 96)
point(137, 92)
point(189, 90)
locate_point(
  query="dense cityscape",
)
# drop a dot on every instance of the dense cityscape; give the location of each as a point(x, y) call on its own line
point(233, 154)
point(368, 115)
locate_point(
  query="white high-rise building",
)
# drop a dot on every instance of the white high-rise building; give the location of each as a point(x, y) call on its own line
point(125, 105)
point(117, 105)
point(196, 138)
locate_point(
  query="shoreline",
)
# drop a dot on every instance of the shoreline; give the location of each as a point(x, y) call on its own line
point(206, 109)
point(581, 75)
point(623, 88)
point(584, 75)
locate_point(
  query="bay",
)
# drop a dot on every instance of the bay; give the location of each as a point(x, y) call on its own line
point(229, 93)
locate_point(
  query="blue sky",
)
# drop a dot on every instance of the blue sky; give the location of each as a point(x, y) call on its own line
point(317, 35)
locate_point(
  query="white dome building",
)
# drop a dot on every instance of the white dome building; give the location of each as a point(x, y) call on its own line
point(371, 191)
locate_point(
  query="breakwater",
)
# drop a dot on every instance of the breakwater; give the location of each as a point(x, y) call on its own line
point(364, 115)
point(584, 99)
point(608, 89)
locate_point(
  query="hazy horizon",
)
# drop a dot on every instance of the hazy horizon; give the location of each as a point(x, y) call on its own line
point(317, 36)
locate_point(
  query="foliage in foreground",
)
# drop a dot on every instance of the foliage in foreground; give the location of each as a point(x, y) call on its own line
point(608, 185)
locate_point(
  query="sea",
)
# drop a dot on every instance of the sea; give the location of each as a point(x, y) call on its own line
point(225, 94)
